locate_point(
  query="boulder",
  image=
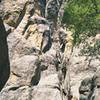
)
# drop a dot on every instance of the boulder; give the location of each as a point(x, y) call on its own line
point(25, 71)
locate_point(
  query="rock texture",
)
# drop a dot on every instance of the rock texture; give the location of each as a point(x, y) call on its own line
point(90, 87)
point(43, 62)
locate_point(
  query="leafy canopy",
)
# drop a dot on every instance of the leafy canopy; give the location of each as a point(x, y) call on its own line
point(82, 16)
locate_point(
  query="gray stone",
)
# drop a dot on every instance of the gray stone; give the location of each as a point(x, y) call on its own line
point(96, 77)
point(46, 93)
point(51, 11)
point(25, 71)
point(86, 89)
point(16, 93)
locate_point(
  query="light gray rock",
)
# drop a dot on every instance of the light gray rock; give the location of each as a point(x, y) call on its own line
point(16, 93)
point(33, 93)
point(46, 93)
point(25, 70)
point(34, 76)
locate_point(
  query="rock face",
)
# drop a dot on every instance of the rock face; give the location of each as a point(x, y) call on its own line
point(90, 87)
point(39, 33)
point(32, 77)
point(31, 67)
point(96, 92)
point(11, 15)
point(52, 10)
point(41, 65)
point(86, 89)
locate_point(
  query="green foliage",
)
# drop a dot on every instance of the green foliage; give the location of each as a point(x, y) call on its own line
point(84, 17)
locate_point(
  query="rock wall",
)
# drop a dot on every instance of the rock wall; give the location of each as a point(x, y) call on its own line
point(43, 61)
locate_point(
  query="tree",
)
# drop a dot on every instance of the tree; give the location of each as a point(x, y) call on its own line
point(83, 16)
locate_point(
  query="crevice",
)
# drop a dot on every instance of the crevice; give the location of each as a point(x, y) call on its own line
point(4, 57)
point(22, 13)
point(35, 79)
point(15, 74)
point(14, 88)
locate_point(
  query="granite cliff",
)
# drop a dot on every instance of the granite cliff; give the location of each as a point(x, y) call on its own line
point(44, 65)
